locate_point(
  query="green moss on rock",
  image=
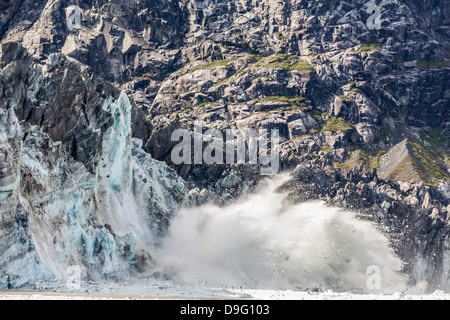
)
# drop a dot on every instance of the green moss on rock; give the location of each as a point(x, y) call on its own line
point(337, 124)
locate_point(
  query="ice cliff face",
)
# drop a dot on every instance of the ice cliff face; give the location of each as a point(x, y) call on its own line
point(57, 212)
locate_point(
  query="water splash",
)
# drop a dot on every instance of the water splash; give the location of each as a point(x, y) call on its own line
point(259, 243)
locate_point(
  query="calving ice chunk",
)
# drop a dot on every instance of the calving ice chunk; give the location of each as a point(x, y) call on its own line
point(193, 310)
point(116, 157)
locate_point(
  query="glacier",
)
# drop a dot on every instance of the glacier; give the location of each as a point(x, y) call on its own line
point(56, 214)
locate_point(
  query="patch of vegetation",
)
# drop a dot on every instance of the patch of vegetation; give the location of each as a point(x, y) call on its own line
point(429, 164)
point(427, 156)
point(231, 78)
point(284, 61)
point(337, 124)
point(205, 104)
point(313, 131)
point(370, 47)
point(345, 98)
point(296, 103)
point(439, 144)
point(381, 153)
point(284, 99)
point(237, 34)
point(369, 159)
point(280, 36)
point(188, 109)
point(405, 171)
point(241, 71)
point(281, 60)
point(351, 161)
point(285, 56)
point(221, 82)
point(356, 90)
point(185, 67)
point(318, 116)
point(255, 58)
point(303, 66)
point(325, 148)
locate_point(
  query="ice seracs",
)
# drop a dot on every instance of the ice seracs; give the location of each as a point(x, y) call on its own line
point(55, 213)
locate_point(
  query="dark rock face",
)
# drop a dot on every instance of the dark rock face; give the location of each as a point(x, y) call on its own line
point(110, 39)
point(63, 102)
point(342, 81)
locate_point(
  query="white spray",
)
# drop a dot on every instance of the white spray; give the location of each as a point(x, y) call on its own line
point(258, 243)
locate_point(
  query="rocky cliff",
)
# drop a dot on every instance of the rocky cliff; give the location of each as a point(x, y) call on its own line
point(90, 92)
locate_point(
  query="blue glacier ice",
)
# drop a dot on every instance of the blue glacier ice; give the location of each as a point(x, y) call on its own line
point(62, 215)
